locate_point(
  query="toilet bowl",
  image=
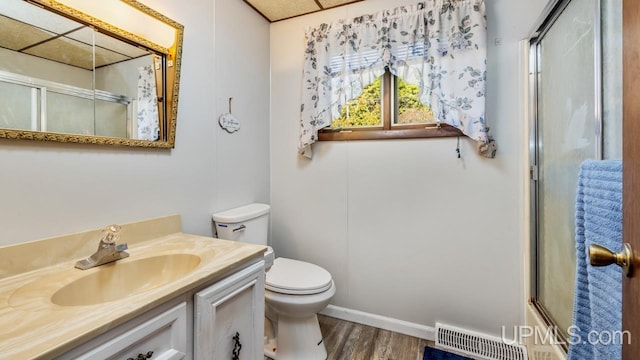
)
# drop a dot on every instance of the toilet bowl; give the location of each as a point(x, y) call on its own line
point(295, 291)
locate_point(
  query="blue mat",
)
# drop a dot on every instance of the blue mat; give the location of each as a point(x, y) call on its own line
point(435, 354)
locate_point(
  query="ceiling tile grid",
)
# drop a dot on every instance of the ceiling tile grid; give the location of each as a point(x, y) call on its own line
point(276, 10)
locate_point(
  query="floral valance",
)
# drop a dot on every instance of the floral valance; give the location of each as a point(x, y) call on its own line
point(439, 45)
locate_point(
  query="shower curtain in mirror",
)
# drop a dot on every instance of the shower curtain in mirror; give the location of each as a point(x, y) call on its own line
point(439, 45)
point(147, 114)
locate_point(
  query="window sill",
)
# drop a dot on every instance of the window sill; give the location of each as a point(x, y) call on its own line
point(381, 134)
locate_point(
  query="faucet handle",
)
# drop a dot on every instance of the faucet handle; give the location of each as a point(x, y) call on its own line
point(112, 234)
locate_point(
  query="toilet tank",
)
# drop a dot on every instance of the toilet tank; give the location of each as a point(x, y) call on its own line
point(249, 223)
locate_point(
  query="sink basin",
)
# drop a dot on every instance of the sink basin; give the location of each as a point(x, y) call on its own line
point(120, 279)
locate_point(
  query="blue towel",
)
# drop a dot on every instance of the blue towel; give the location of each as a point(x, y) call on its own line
point(597, 308)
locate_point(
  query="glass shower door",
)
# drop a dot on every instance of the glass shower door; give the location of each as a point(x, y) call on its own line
point(567, 121)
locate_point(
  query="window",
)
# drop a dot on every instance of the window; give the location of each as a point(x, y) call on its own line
point(441, 48)
point(388, 108)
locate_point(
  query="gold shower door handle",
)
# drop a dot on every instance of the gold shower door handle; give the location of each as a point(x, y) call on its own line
point(601, 256)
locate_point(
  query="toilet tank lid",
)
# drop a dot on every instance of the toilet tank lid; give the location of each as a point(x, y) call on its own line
point(241, 214)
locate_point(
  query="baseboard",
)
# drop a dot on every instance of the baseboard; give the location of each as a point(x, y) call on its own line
point(382, 322)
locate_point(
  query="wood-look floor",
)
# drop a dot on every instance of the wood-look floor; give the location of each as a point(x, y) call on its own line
point(346, 340)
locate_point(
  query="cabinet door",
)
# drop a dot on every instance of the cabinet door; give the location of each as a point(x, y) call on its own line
point(231, 308)
point(164, 335)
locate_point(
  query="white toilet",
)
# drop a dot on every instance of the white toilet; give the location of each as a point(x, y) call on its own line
point(295, 291)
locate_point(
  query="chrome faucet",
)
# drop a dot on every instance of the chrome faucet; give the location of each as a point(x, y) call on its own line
point(107, 251)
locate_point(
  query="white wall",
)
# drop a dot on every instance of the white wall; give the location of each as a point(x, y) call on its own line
point(49, 189)
point(407, 230)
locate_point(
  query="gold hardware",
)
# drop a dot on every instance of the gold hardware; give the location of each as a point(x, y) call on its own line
point(601, 256)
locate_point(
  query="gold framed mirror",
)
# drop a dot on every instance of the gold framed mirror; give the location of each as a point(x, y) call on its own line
point(91, 72)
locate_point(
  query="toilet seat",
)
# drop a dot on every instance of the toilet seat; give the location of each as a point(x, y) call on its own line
point(293, 277)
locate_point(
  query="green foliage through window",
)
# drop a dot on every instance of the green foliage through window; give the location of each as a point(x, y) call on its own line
point(365, 110)
point(410, 109)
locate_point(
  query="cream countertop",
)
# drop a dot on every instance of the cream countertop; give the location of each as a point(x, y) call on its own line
point(34, 328)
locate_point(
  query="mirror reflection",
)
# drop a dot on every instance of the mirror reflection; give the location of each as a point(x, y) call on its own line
point(66, 75)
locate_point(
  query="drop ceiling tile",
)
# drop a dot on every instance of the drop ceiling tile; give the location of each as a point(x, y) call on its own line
point(68, 42)
point(106, 57)
point(15, 35)
point(30, 14)
point(119, 46)
point(275, 10)
point(66, 51)
point(83, 35)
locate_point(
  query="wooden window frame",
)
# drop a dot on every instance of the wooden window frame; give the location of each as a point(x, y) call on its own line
point(388, 130)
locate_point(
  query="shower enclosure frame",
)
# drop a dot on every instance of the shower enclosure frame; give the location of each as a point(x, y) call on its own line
point(550, 14)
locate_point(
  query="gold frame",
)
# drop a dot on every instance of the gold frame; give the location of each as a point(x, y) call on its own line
point(174, 53)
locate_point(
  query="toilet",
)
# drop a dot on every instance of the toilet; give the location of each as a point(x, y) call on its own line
point(295, 291)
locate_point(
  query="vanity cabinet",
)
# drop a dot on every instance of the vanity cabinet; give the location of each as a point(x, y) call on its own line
point(200, 324)
point(162, 333)
point(229, 321)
